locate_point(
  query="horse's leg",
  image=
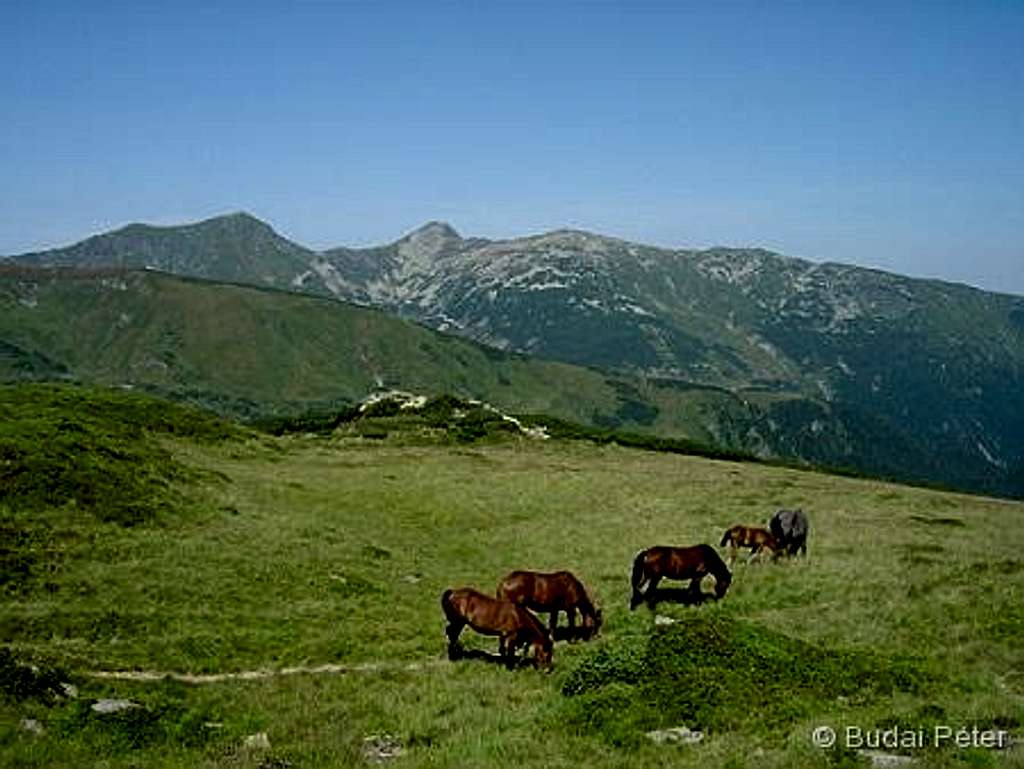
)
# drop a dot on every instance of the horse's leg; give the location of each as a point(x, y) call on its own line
point(510, 642)
point(652, 589)
point(452, 631)
point(553, 623)
point(570, 615)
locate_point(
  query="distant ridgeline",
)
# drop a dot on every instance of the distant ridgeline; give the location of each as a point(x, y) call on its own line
point(748, 350)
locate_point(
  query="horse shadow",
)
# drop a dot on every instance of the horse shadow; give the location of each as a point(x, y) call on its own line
point(676, 595)
point(572, 634)
point(456, 653)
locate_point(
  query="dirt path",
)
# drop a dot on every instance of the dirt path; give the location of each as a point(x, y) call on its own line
point(257, 675)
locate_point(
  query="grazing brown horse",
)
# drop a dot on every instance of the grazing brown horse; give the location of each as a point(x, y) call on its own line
point(555, 592)
point(754, 537)
point(692, 563)
point(513, 624)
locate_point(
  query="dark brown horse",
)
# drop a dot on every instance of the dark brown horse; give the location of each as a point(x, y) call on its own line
point(754, 537)
point(514, 625)
point(790, 527)
point(554, 592)
point(692, 563)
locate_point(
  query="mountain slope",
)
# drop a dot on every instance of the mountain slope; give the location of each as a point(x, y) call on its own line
point(826, 362)
point(938, 363)
point(249, 350)
point(272, 348)
point(233, 248)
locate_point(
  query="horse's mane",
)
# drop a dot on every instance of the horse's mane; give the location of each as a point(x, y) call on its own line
point(535, 624)
point(715, 563)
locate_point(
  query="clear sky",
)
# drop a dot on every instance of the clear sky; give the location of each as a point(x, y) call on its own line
point(885, 134)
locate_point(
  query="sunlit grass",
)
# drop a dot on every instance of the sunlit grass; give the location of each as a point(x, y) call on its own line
point(336, 550)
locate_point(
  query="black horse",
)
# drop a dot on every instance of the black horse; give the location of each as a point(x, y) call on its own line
point(790, 528)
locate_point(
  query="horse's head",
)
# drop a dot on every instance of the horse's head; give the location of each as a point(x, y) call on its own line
point(544, 652)
point(592, 623)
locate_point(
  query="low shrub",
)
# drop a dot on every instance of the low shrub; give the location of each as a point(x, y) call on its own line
point(20, 682)
point(713, 672)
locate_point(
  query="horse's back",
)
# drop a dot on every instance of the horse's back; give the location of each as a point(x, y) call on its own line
point(677, 562)
point(479, 610)
point(570, 586)
point(515, 586)
point(462, 600)
point(658, 554)
point(706, 556)
point(542, 590)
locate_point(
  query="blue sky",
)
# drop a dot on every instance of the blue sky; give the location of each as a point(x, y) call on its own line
point(882, 134)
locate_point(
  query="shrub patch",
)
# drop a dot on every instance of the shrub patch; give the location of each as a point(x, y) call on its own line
point(719, 674)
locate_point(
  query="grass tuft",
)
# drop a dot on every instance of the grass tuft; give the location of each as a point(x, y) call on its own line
point(716, 673)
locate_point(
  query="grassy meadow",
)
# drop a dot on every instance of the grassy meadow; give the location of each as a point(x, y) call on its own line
point(268, 553)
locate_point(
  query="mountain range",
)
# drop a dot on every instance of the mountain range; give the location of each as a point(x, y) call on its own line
point(830, 363)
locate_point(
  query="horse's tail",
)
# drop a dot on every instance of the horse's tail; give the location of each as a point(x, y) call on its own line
point(446, 603)
point(637, 577)
point(726, 538)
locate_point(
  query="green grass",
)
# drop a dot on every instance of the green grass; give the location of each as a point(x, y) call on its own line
point(716, 673)
point(95, 449)
point(335, 549)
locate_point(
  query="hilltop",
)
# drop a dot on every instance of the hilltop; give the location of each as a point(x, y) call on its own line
point(237, 247)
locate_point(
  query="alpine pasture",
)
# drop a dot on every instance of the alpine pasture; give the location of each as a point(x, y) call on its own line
point(298, 580)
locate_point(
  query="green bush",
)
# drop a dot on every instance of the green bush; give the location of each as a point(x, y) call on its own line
point(309, 422)
point(20, 682)
point(479, 423)
point(440, 410)
point(713, 672)
point(386, 407)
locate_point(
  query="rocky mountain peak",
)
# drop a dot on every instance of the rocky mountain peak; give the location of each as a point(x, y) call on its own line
point(424, 244)
point(434, 229)
point(237, 223)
